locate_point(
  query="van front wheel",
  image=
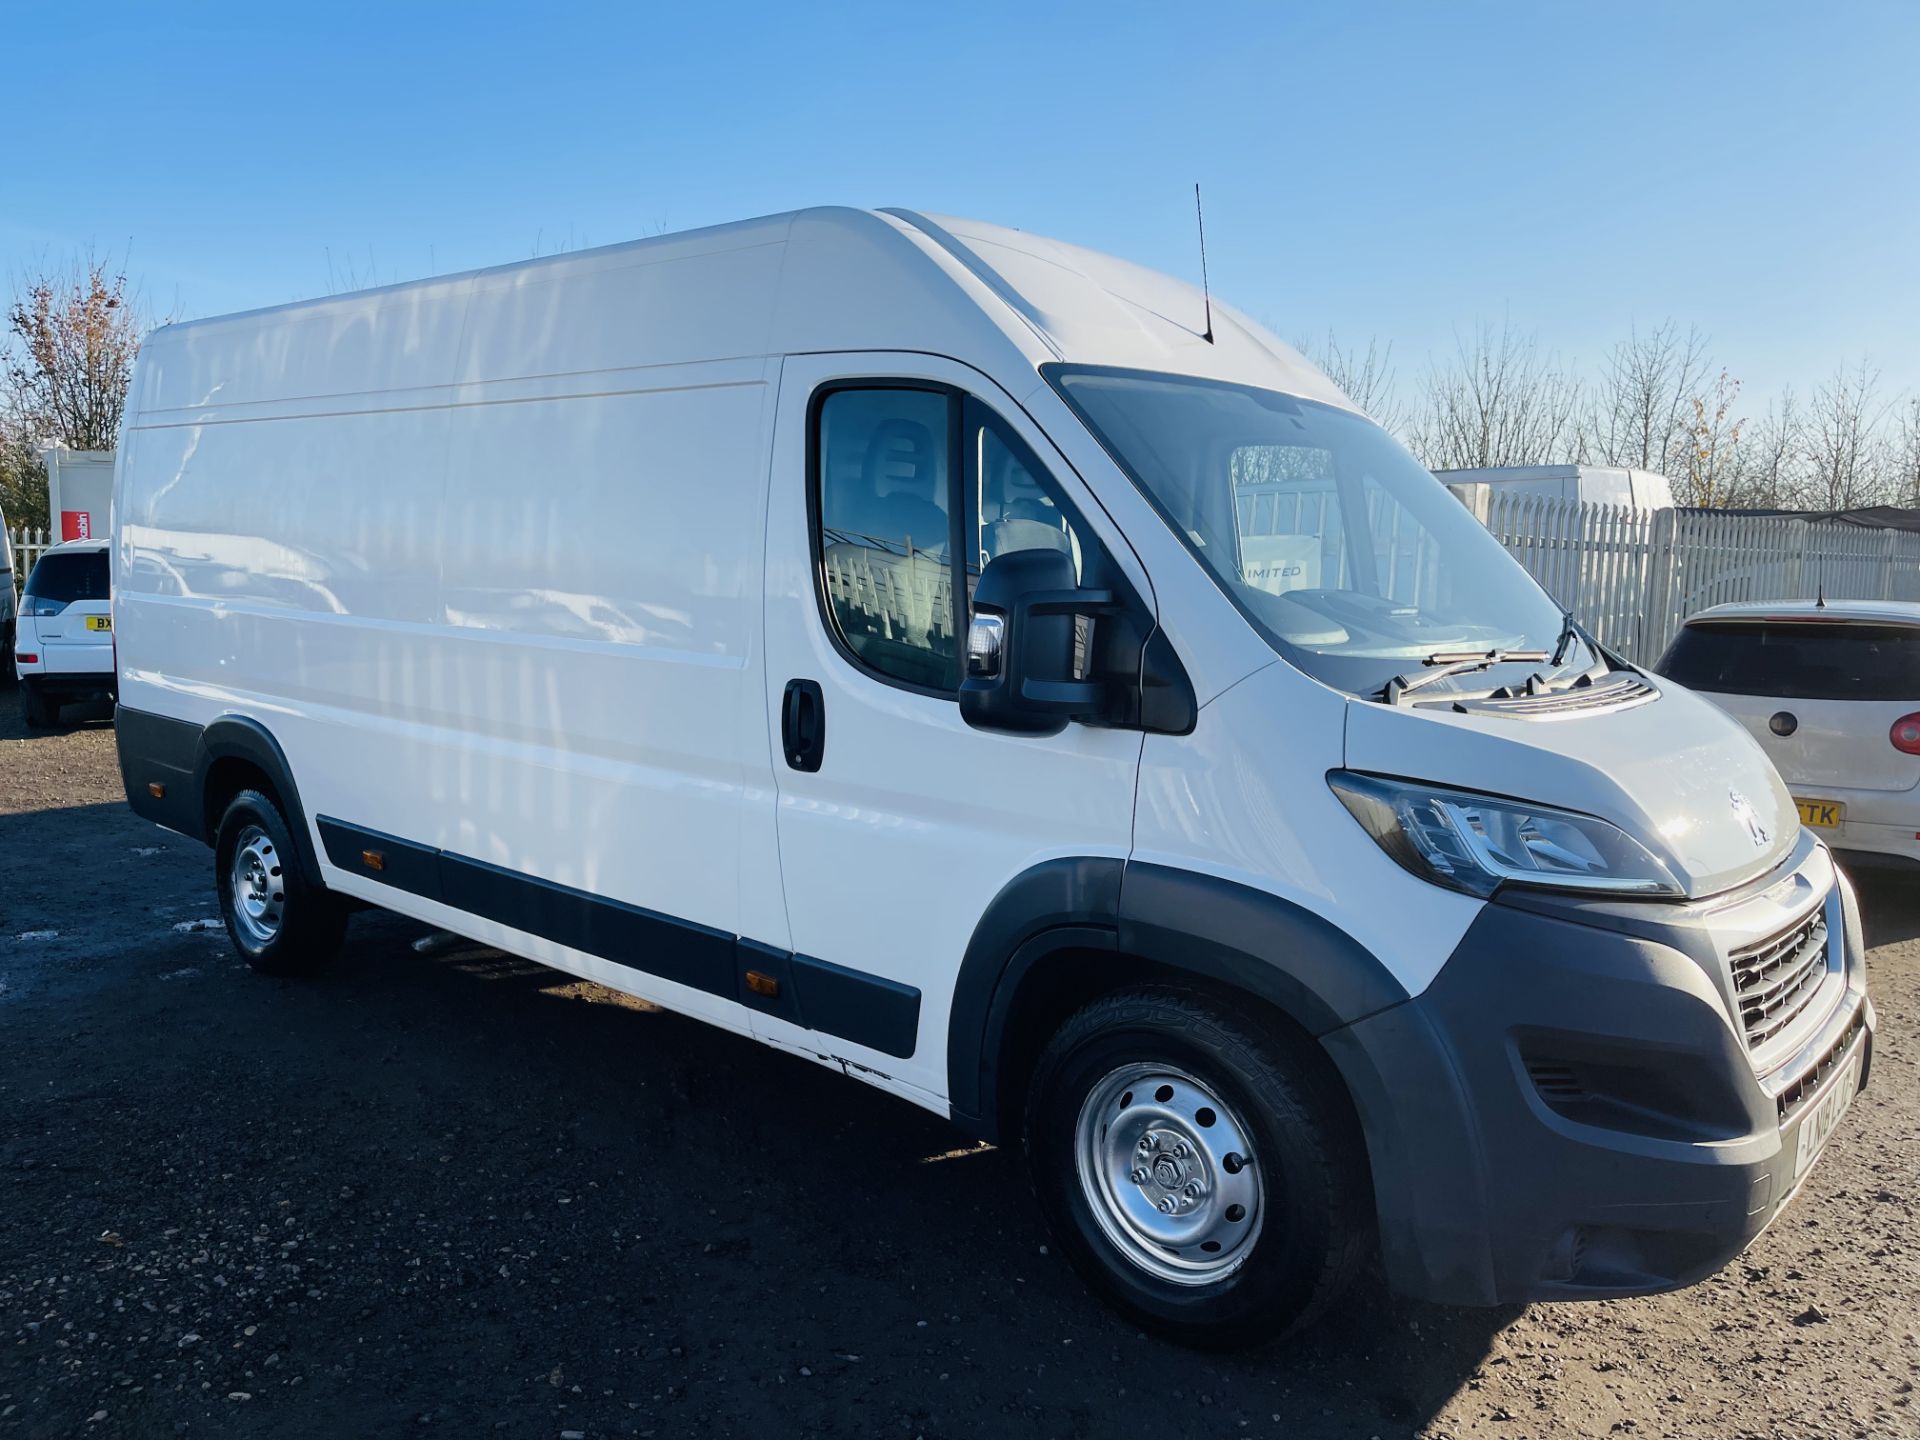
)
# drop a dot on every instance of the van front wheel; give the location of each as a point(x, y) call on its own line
point(1201, 1172)
point(282, 923)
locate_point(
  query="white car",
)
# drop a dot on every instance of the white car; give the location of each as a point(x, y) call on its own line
point(63, 648)
point(1831, 690)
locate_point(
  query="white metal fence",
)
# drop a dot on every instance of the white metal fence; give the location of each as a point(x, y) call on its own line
point(1631, 576)
point(28, 546)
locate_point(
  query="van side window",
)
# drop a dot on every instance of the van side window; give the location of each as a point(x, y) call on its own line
point(1012, 503)
point(884, 472)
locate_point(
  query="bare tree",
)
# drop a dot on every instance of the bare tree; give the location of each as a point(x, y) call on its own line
point(1842, 458)
point(1904, 466)
point(1498, 401)
point(1366, 377)
point(1767, 458)
point(1642, 409)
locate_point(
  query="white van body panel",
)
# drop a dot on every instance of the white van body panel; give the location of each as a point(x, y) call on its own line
point(1266, 818)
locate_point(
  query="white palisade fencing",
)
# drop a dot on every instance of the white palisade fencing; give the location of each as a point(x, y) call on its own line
point(28, 546)
point(1632, 576)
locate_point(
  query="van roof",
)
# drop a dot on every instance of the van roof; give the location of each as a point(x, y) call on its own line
point(824, 279)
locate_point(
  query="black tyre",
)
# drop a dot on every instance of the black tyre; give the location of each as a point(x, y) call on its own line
point(280, 921)
point(36, 709)
point(1202, 1173)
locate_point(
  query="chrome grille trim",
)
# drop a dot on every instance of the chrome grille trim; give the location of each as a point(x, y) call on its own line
point(1776, 978)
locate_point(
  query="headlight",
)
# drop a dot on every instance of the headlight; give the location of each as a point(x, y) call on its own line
point(1476, 843)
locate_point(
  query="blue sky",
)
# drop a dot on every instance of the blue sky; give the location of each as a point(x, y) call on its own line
point(1399, 171)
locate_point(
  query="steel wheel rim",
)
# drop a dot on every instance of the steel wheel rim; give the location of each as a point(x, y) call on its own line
point(256, 886)
point(1170, 1173)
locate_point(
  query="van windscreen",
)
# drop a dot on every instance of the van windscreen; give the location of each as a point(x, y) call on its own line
point(66, 578)
point(1798, 660)
point(1339, 547)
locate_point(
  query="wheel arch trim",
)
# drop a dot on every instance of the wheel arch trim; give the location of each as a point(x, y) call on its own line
point(241, 737)
point(1188, 922)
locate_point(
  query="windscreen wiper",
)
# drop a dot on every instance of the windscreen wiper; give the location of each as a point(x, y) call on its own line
point(1569, 632)
point(1443, 663)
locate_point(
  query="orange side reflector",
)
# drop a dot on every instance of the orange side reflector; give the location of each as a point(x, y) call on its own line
point(762, 984)
point(156, 789)
point(373, 859)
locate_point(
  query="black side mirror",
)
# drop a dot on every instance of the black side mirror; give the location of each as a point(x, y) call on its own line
point(1020, 646)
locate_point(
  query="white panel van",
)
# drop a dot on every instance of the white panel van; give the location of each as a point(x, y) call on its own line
point(914, 644)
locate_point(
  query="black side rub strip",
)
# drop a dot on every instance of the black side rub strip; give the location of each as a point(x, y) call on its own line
point(851, 1004)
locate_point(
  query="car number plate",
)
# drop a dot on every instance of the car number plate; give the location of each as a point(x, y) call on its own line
point(1824, 814)
point(99, 622)
point(1823, 1118)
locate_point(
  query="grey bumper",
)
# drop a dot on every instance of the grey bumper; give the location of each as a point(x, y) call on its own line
point(1569, 1111)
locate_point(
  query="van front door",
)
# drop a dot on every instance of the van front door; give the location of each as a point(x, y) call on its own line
point(894, 476)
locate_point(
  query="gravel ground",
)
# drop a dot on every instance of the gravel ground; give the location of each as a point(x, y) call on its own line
point(445, 1190)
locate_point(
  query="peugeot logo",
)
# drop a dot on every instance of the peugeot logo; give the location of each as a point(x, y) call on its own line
point(1743, 809)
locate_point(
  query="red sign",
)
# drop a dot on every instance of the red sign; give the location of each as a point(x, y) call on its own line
point(76, 524)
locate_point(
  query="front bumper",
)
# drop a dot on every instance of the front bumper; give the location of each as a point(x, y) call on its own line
point(1571, 1111)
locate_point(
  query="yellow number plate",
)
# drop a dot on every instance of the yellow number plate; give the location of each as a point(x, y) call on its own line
point(1825, 814)
point(99, 622)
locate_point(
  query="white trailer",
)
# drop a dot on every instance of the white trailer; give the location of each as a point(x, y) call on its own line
point(1589, 484)
point(79, 493)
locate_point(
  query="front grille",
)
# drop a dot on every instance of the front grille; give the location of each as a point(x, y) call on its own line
point(1775, 979)
point(1806, 1084)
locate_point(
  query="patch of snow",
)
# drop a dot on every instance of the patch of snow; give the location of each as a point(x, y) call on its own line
point(38, 935)
point(188, 927)
point(185, 973)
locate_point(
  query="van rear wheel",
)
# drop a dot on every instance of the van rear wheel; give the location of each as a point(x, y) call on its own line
point(281, 922)
point(1202, 1173)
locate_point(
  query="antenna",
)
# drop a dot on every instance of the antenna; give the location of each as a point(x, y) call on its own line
point(1820, 582)
point(1205, 294)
